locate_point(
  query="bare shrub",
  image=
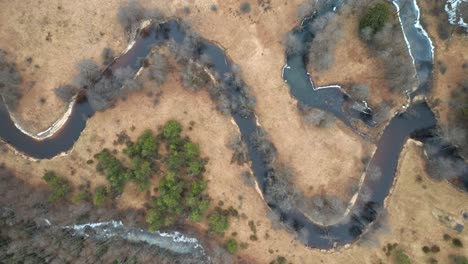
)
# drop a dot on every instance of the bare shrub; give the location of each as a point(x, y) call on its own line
point(382, 112)
point(108, 56)
point(324, 209)
point(248, 178)
point(9, 81)
point(443, 168)
point(390, 47)
point(261, 142)
point(88, 74)
point(275, 219)
point(316, 117)
point(306, 8)
point(327, 30)
point(374, 173)
point(359, 91)
point(240, 150)
point(194, 77)
point(278, 189)
point(293, 44)
point(374, 231)
point(158, 69)
point(66, 92)
point(133, 13)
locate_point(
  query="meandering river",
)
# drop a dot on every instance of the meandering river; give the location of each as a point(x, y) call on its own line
point(332, 99)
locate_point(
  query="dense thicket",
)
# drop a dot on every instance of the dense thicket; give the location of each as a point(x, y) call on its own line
point(9, 81)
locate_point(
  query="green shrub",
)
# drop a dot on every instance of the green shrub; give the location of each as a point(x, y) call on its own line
point(171, 131)
point(146, 146)
point(141, 172)
point(457, 242)
point(401, 257)
point(426, 249)
point(455, 259)
point(100, 196)
point(81, 196)
point(60, 186)
point(218, 222)
point(191, 150)
point(231, 246)
point(115, 172)
point(176, 158)
point(376, 17)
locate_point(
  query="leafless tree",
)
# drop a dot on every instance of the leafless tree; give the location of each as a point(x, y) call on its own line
point(108, 56)
point(374, 173)
point(9, 81)
point(293, 44)
point(194, 77)
point(261, 142)
point(306, 8)
point(382, 112)
point(158, 69)
point(317, 117)
point(380, 226)
point(88, 74)
point(66, 92)
point(240, 149)
point(133, 13)
point(359, 91)
point(327, 30)
point(391, 48)
point(324, 209)
point(279, 190)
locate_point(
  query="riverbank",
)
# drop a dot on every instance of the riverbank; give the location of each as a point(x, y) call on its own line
point(449, 59)
point(46, 40)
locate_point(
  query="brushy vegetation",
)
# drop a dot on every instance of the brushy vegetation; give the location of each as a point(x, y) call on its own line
point(59, 186)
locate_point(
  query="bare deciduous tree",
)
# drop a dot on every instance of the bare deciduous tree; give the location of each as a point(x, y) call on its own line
point(327, 30)
point(108, 56)
point(88, 74)
point(359, 91)
point(240, 149)
point(158, 69)
point(293, 44)
point(133, 13)
point(66, 92)
point(9, 81)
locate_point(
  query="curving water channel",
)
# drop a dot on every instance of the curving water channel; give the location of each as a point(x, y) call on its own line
point(332, 99)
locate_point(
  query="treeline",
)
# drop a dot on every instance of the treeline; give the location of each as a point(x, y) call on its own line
point(442, 162)
point(30, 230)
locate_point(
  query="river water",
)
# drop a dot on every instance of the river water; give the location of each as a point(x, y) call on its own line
point(332, 99)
